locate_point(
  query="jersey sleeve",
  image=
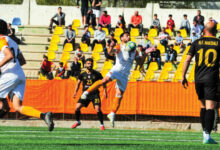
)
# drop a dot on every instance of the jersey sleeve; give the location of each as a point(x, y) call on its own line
point(99, 76)
point(3, 44)
point(192, 50)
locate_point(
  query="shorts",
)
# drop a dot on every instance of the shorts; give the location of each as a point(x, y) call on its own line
point(95, 99)
point(97, 13)
point(206, 91)
point(11, 84)
point(84, 11)
point(121, 80)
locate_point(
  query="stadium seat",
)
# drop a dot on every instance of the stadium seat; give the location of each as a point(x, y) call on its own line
point(151, 40)
point(149, 75)
point(118, 39)
point(41, 77)
point(183, 58)
point(84, 47)
point(135, 75)
point(161, 48)
point(107, 65)
point(106, 31)
point(180, 67)
point(118, 32)
point(218, 26)
point(91, 30)
point(152, 33)
point(153, 66)
point(57, 78)
point(177, 49)
point(73, 78)
point(65, 56)
point(58, 30)
point(51, 55)
point(68, 47)
point(53, 47)
point(95, 66)
point(168, 66)
point(80, 61)
point(95, 56)
point(76, 23)
point(183, 33)
point(104, 72)
point(134, 32)
point(98, 48)
point(164, 75)
point(76, 30)
point(55, 39)
point(169, 31)
point(186, 50)
point(133, 39)
point(16, 21)
point(177, 76)
point(192, 74)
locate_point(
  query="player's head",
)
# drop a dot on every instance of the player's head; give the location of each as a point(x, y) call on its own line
point(155, 16)
point(125, 37)
point(3, 27)
point(89, 63)
point(178, 33)
point(210, 28)
point(59, 9)
point(61, 64)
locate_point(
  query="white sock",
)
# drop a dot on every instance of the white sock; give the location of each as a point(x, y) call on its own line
point(79, 122)
point(101, 125)
point(207, 136)
point(112, 113)
point(85, 93)
point(203, 134)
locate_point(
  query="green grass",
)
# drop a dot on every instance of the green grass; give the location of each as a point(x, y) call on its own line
point(62, 138)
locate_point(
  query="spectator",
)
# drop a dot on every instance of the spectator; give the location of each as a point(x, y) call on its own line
point(96, 6)
point(179, 40)
point(80, 55)
point(91, 19)
point(75, 68)
point(185, 24)
point(11, 34)
point(170, 23)
point(164, 37)
point(146, 43)
point(60, 71)
point(105, 21)
point(213, 20)
point(70, 36)
point(155, 23)
point(193, 37)
point(199, 19)
point(111, 41)
point(99, 37)
point(60, 19)
point(171, 54)
point(197, 29)
point(84, 9)
point(136, 22)
point(154, 56)
point(46, 68)
point(86, 36)
point(121, 22)
point(142, 56)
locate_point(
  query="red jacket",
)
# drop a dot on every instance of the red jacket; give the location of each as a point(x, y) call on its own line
point(105, 19)
point(170, 24)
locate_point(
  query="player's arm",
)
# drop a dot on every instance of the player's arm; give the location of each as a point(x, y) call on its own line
point(77, 88)
point(7, 58)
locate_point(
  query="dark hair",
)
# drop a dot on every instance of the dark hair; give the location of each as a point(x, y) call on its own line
point(178, 32)
point(155, 14)
point(59, 7)
point(3, 27)
point(139, 45)
point(78, 47)
point(86, 26)
point(61, 63)
point(120, 16)
point(45, 56)
point(99, 25)
point(170, 15)
point(89, 59)
point(105, 12)
point(70, 25)
point(184, 15)
point(112, 34)
point(124, 34)
point(171, 45)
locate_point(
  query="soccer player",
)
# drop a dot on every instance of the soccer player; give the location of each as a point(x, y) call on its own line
point(12, 79)
point(206, 51)
point(120, 71)
point(89, 77)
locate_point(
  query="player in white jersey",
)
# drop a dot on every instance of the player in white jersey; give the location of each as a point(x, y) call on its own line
point(12, 79)
point(120, 71)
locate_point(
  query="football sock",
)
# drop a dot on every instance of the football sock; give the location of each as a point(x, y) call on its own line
point(77, 113)
point(30, 111)
point(100, 116)
point(116, 104)
point(206, 136)
point(42, 116)
point(202, 117)
point(209, 120)
point(95, 86)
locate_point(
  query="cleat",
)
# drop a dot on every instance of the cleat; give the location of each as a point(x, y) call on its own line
point(83, 96)
point(75, 125)
point(111, 118)
point(209, 141)
point(102, 127)
point(49, 121)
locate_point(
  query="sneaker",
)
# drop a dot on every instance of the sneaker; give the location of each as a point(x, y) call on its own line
point(75, 125)
point(102, 127)
point(49, 121)
point(84, 95)
point(111, 118)
point(209, 141)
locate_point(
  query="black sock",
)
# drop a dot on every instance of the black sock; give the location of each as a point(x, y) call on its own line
point(209, 120)
point(100, 115)
point(42, 115)
point(202, 117)
point(77, 113)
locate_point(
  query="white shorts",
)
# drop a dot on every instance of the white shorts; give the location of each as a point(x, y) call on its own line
point(121, 80)
point(11, 83)
point(97, 13)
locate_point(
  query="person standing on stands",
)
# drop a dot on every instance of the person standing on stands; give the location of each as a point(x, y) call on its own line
point(96, 7)
point(84, 9)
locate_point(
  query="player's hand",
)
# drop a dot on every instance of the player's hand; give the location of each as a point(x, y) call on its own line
point(184, 82)
point(77, 6)
point(74, 95)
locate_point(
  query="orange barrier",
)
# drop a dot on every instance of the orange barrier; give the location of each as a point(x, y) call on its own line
point(150, 98)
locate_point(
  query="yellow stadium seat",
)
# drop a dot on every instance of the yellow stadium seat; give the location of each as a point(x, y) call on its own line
point(186, 50)
point(95, 65)
point(168, 66)
point(76, 30)
point(80, 61)
point(58, 78)
point(51, 55)
point(65, 56)
point(95, 56)
point(107, 65)
point(149, 75)
point(106, 31)
point(133, 39)
point(134, 32)
point(218, 26)
point(91, 30)
point(177, 76)
point(68, 47)
point(151, 40)
point(180, 67)
point(84, 47)
point(53, 47)
point(192, 74)
point(161, 48)
point(55, 39)
point(135, 75)
point(98, 48)
point(76, 23)
point(169, 31)
point(41, 77)
point(104, 72)
point(118, 31)
point(58, 30)
point(118, 39)
point(164, 75)
point(177, 49)
point(153, 66)
point(183, 33)
point(183, 58)
point(152, 33)
point(73, 78)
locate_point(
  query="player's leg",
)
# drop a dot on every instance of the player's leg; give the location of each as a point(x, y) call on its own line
point(4, 107)
point(99, 113)
point(202, 115)
point(77, 114)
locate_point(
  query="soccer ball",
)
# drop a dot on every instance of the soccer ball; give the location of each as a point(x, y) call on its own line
point(130, 46)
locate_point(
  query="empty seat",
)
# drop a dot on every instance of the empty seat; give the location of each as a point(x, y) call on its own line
point(104, 72)
point(183, 33)
point(76, 23)
point(58, 30)
point(135, 75)
point(164, 75)
point(98, 48)
point(91, 30)
point(68, 47)
point(55, 39)
point(177, 49)
point(168, 66)
point(152, 33)
point(95, 66)
point(170, 32)
point(149, 75)
point(118, 31)
point(134, 32)
point(51, 55)
point(107, 65)
point(153, 66)
point(76, 30)
point(53, 47)
point(106, 31)
point(84, 47)
point(65, 56)
point(177, 76)
point(95, 56)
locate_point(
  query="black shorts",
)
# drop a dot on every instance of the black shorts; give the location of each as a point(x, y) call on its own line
point(206, 91)
point(84, 11)
point(95, 99)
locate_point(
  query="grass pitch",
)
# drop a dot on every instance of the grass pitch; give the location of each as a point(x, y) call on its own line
point(32, 138)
